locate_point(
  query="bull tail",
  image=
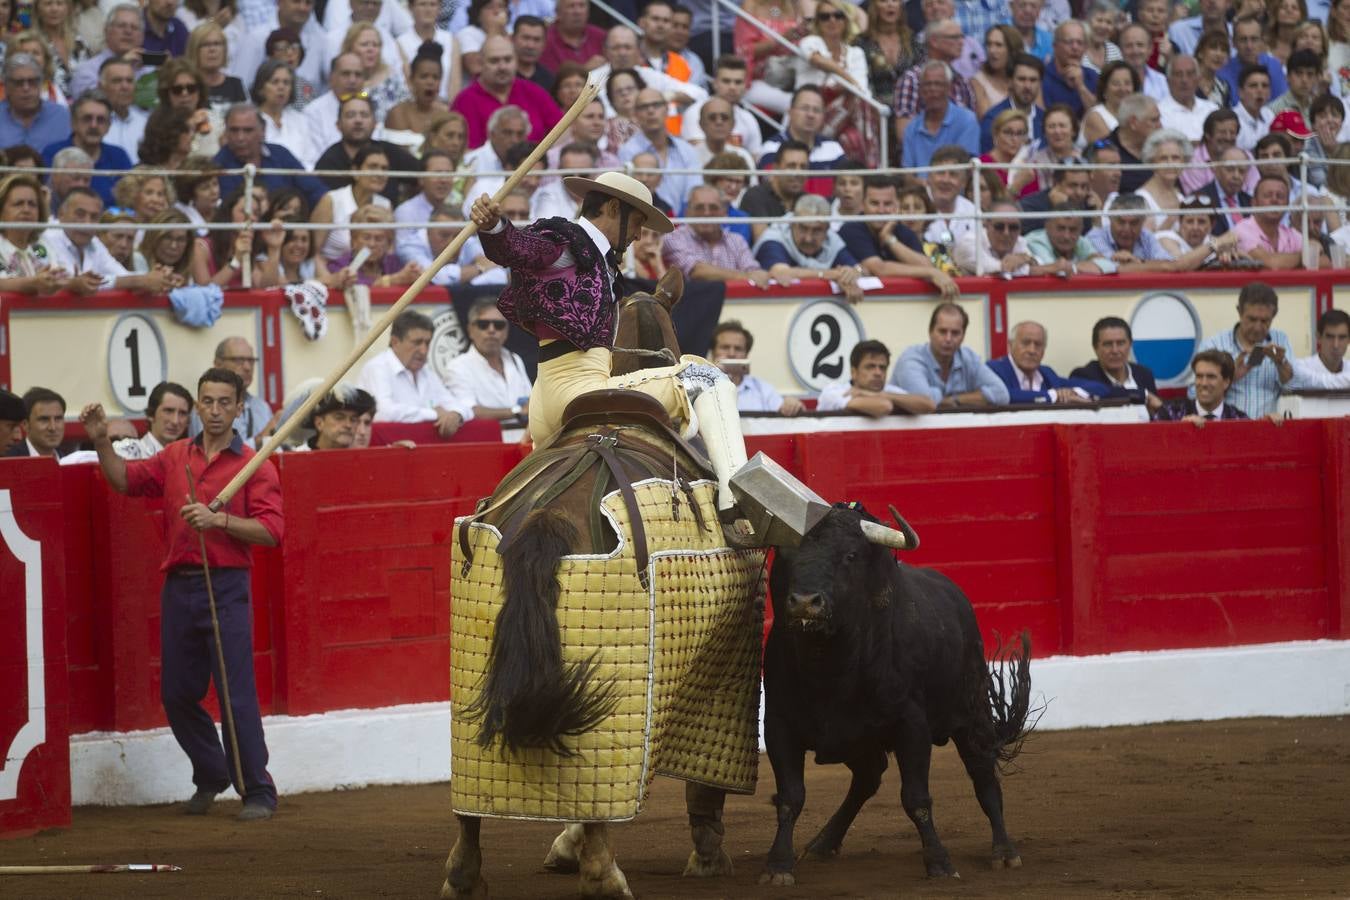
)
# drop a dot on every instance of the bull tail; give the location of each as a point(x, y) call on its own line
point(1009, 687)
point(530, 698)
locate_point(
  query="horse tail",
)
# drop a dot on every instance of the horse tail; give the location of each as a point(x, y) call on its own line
point(1009, 688)
point(530, 698)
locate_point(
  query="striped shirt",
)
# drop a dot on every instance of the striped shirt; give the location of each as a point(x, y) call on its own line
point(1257, 392)
point(684, 249)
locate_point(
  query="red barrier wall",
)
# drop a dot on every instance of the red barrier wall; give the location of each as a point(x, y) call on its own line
point(34, 778)
point(1096, 538)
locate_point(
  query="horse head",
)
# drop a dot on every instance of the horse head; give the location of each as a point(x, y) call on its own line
point(645, 324)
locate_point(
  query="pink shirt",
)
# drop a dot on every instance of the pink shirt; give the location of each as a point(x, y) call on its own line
point(1194, 179)
point(477, 105)
point(1251, 237)
point(557, 50)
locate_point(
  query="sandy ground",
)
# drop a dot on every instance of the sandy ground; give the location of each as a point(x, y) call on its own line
point(1242, 808)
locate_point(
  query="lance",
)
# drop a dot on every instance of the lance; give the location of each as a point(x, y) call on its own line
point(588, 94)
point(88, 870)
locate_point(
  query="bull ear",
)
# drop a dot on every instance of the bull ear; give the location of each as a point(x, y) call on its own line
point(890, 537)
point(670, 288)
point(881, 578)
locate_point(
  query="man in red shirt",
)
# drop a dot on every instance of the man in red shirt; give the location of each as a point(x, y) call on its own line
point(253, 516)
point(571, 38)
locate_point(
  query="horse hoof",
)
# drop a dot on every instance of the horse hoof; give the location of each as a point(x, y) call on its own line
point(613, 886)
point(476, 891)
point(1006, 862)
point(564, 856)
point(778, 879)
point(700, 867)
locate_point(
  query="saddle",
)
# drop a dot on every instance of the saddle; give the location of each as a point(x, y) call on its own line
point(625, 437)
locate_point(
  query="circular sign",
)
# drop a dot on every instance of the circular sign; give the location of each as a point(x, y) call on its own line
point(1166, 331)
point(819, 340)
point(136, 360)
point(447, 341)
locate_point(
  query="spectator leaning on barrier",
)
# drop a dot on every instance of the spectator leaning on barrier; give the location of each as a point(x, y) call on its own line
point(888, 248)
point(947, 191)
point(1133, 248)
point(12, 416)
point(1213, 376)
point(1263, 355)
point(403, 390)
point(1112, 341)
point(998, 248)
point(1325, 370)
point(487, 377)
point(795, 250)
point(1061, 249)
point(44, 424)
point(24, 267)
point(1030, 382)
point(706, 252)
point(254, 419)
point(1071, 187)
point(82, 255)
point(731, 346)
point(865, 391)
point(167, 414)
point(943, 370)
point(337, 417)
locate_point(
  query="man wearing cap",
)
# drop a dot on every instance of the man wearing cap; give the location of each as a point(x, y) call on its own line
point(187, 475)
point(12, 415)
point(334, 420)
point(563, 291)
point(1292, 123)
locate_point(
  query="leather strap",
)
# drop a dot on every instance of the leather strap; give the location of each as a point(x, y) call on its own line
point(552, 351)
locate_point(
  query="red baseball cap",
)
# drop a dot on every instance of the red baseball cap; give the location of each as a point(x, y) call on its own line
point(1291, 122)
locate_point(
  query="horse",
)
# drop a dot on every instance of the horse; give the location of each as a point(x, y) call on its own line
point(537, 703)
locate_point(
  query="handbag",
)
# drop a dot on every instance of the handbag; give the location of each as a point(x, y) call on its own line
point(780, 71)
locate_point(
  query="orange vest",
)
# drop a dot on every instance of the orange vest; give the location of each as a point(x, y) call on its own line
point(678, 69)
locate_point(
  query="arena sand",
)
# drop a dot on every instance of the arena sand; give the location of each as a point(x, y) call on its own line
point(1228, 809)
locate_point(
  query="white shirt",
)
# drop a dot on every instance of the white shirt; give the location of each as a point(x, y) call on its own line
point(293, 133)
point(321, 121)
point(247, 55)
point(416, 210)
point(409, 41)
point(975, 243)
point(1155, 84)
point(743, 125)
point(389, 51)
point(393, 18)
point(126, 132)
point(659, 81)
point(835, 396)
point(753, 395)
point(553, 200)
point(483, 159)
point(402, 395)
point(63, 253)
point(1312, 373)
point(1190, 122)
point(1250, 128)
point(956, 226)
point(418, 250)
point(473, 382)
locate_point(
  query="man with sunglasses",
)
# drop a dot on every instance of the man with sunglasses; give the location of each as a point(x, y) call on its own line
point(25, 117)
point(90, 119)
point(1000, 249)
point(488, 377)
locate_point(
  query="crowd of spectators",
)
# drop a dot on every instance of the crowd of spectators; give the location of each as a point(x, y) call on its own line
point(1026, 109)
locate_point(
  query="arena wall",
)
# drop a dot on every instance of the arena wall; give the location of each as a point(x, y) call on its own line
point(1163, 572)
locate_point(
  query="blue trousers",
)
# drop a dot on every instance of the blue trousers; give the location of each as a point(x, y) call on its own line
point(189, 664)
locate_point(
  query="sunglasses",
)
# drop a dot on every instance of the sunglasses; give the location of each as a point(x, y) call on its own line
point(490, 324)
point(180, 90)
point(830, 17)
point(1005, 227)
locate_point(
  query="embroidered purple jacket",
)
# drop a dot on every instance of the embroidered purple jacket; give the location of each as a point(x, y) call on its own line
point(577, 302)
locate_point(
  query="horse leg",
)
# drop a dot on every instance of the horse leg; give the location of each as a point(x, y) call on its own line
point(980, 766)
point(705, 826)
point(463, 868)
point(600, 874)
point(565, 854)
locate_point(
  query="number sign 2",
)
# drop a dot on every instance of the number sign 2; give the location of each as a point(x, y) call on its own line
point(820, 338)
point(136, 360)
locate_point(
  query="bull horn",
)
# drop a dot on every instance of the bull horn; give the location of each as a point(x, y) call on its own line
point(890, 537)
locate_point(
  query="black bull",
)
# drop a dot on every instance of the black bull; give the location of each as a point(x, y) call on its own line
point(867, 657)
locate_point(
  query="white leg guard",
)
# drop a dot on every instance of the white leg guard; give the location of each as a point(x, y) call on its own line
point(719, 422)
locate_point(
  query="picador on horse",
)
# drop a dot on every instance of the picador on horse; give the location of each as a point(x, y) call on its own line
point(608, 597)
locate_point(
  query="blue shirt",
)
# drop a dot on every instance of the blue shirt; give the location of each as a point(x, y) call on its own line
point(863, 244)
point(174, 41)
point(825, 153)
point(1035, 114)
point(274, 156)
point(742, 230)
point(51, 124)
point(978, 16)
point(1054, 89)
point(680, 154)
point(918, 372)
point(771, 253)
point(1146, 249)
point(1258, 392)
point(958, 127)
point(1233, 68)
point(110, 157)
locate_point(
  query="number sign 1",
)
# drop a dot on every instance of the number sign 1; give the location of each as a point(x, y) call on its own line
point(819, 340)
point(136, 360)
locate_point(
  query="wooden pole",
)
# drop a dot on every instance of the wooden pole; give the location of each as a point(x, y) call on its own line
point(588, 94)
point(87, 870)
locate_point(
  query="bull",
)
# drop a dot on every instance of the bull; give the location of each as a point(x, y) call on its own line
point(867, 657)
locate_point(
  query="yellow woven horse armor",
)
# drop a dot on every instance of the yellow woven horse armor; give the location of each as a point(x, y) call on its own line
point(684, 655)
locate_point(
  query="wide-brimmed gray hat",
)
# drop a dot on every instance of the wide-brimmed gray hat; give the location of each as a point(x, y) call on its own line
point(626, 189)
